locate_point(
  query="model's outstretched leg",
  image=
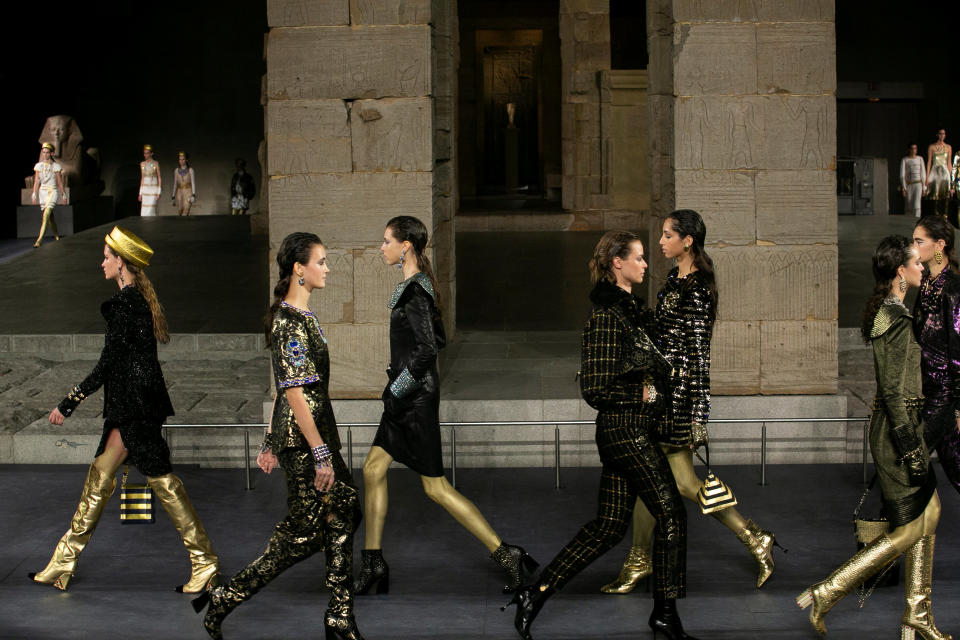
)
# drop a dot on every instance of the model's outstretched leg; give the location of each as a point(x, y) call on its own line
point(339, 620)
point(374, 571)
point(514, 560)
point(45, 220)
point(204, 563)
point(97, 489)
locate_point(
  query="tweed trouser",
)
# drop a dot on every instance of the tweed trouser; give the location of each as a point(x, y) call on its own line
point(633, 467)
point(316, 522)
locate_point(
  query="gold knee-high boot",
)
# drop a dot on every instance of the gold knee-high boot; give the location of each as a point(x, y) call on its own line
point(760, 543)
point(636, 567)
point(845, 578)
point(917, 617)
point(204, 563)
point(97, 489)
point(47, 219)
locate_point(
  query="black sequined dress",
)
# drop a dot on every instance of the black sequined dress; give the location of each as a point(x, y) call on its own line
point(410, 425)
point(682, 333)
point(135, 399)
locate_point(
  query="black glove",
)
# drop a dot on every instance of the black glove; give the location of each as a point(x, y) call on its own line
point(910, 449)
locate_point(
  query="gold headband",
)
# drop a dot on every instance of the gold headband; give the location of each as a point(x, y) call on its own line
point(47, 145)
point(129, 247)
point(182, 153)
point(147, 147)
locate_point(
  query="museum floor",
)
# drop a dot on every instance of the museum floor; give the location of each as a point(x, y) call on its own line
point(443, 586)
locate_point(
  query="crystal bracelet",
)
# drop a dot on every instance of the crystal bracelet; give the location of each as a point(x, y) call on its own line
point(322, 455)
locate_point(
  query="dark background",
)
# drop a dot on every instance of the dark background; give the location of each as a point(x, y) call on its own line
point(181, 76)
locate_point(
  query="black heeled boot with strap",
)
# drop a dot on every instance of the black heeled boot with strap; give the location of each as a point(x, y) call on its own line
point(374, 572)
point(516, 562)
point(529, 601)
point(666, 620)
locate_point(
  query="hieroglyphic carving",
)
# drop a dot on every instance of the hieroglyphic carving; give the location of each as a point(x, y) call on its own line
point(390, 11)
point(348, 62)
point(373, 283)
point(297, 129)
point(302, 13)
point(392, 134)
point(797, 207)
point(726, 201)
point(720, 132)
point(715, 59)
point(806, 132)
point(334, 302)
point(741, 122)
point(796, 58)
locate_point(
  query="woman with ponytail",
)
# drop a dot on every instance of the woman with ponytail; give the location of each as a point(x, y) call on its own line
point(684, 318)
point(410, 426)
point(135, 405)
point(323, 503)
point(900, 456)
point(936, 324)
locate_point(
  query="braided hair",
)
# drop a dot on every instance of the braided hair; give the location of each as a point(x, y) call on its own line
point(296, 247)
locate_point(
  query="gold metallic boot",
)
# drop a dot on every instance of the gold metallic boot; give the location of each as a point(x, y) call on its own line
point(760, 544)
point(204, 563)
point(845, 578)
point(636, 567)
point(97, 489)
point(917, 617)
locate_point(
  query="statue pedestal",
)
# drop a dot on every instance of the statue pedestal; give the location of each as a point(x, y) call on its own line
point(70, 218)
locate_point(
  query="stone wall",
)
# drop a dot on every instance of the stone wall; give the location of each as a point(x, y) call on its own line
point(359, 101)
point(743, 129)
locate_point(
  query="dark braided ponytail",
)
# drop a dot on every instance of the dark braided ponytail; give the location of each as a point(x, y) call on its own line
point(687, 222)
point(892, 253)
point(408, 228)
point(296, 247)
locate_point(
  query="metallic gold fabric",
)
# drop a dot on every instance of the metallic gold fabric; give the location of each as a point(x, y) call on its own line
point(97, 489)
point(683, 332)
point(204, 563)
point(316, 522)
point(636, 567)
point(845, 578)
point(300, 359)
point(760, 544)
point(917, 616)
point(129, 246)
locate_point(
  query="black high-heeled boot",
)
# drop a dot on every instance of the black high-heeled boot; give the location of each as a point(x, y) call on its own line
point(217, 609)
point(516, 562)
point(373, 571)
point(666, 620)
point(341, 629)
point(529, 601)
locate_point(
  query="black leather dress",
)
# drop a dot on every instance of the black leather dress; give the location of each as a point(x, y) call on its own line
point(135, 398)
point(410, 426)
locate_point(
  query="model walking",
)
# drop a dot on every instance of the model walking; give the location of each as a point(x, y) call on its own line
point(151, 185)
point(185, 185)
point(135, 404)
point(684, 318)
point(913, 179)
point(936, 323)
point(410, 426)
point(324, 507)
point(939, 187)
point(47, 190)
point(896, 442)
point(634, 467)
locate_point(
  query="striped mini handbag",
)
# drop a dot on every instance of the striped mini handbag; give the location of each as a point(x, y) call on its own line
point(136, 501)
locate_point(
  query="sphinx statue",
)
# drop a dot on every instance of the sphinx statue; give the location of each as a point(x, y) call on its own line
point(81, 166)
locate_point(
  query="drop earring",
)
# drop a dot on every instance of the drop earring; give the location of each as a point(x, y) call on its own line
point(120, 275)
point(903, 285)
point(300, 280)
point(686, 247)
point(403, 255)
point(938, 257)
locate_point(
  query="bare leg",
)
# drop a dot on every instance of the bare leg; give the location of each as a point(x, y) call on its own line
point(465, 512)
point(375, 496)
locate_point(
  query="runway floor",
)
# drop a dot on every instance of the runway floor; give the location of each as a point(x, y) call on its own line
point(443, 585)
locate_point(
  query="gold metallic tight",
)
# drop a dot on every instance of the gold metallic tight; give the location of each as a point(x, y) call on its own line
point(48, 219)
point(437, 489)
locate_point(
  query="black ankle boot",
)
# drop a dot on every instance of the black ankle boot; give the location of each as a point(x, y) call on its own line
point(529, 601)
point(373, 571)
point(341, 628)
point(217, 610)
point(516, 562)
point(666, 620)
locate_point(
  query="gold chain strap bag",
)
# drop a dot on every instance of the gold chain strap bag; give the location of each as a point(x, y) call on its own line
point(714, 495)
point(136, 501)
point(865, 531)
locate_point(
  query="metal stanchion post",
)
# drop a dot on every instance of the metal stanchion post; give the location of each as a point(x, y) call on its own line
point(763, 455)
point(453, 456)
point(246, 456)
point(556, 454)
point(350, 450)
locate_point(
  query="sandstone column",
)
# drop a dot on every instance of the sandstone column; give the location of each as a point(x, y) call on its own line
point(359, 97)
point(743, 129)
